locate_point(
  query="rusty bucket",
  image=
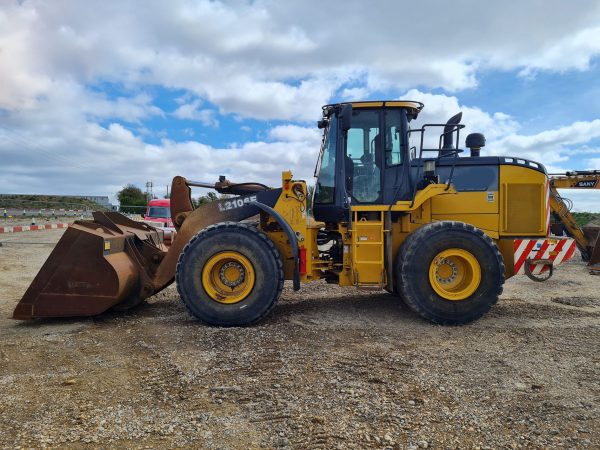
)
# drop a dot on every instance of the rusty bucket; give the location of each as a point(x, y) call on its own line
point(96, 265)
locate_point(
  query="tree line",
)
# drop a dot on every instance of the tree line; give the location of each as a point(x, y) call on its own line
point(133, 200)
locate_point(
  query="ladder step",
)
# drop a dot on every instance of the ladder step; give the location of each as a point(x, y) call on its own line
point(370, 287)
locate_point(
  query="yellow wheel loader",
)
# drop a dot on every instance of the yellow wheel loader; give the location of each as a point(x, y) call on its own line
point(437, 227)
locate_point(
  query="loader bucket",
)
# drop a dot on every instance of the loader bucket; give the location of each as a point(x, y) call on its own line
point(96, 265)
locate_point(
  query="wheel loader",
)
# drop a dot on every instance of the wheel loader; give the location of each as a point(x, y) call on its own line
point(437, 227)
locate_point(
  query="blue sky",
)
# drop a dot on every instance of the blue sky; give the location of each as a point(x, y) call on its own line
point(95, 95)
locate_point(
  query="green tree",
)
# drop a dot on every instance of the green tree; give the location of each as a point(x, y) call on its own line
point(132, 199)
point(203, 199)
point(584, 218)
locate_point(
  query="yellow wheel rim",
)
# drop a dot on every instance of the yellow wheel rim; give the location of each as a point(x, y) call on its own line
point(228, 277)
point(454, 274)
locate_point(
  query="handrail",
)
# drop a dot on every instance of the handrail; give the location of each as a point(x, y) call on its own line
point(455, 128)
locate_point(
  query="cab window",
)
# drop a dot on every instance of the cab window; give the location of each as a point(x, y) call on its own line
point(393, 135)
point(325, 188)
point(364, 156)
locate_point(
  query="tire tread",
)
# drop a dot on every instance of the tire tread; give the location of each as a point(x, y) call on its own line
point(217, 228)
point(409, 250)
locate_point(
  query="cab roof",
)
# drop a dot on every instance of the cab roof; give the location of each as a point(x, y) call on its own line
point(412, 105)
point(160, 202)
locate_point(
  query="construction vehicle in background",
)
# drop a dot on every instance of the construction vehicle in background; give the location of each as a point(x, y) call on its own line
point(440, 229)
point(586, 237)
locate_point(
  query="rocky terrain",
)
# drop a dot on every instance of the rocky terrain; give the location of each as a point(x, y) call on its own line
point(329, 368)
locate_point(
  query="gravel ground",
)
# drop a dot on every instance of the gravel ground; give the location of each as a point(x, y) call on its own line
point(329, 368)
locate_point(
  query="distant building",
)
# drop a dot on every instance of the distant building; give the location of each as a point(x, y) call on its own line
point(102, 200)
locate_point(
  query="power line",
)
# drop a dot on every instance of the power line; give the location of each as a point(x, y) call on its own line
point(20, 140)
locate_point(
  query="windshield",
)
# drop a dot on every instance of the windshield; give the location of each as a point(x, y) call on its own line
point(162, 212)
point(325, 188)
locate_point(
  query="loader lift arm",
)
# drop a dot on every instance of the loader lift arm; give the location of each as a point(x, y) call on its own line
point(115, 261)
point(586, 239)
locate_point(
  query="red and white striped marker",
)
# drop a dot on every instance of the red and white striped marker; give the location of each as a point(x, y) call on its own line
point(19, 228)
point(556, 249)
point(548, 209)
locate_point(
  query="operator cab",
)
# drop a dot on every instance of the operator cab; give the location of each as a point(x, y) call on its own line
point(365, 149)
point(366, 158)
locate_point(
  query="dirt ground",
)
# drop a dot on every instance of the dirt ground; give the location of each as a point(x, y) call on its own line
point(329, 368)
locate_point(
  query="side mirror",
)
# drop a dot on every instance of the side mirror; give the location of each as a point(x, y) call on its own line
point(346, 116)
point(322, 124)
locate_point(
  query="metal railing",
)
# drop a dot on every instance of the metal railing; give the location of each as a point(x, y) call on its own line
point(443, 153)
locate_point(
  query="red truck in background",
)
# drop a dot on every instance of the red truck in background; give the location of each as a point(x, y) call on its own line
point(159, 211)
point(158, 215)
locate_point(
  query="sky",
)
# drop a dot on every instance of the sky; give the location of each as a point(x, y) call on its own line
point(95, 95)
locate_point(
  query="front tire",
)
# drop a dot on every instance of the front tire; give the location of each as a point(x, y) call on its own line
point(229, 274)
point(450, 273)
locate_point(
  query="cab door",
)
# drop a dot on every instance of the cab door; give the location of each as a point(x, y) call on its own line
point(364, 157)
point(396, 182)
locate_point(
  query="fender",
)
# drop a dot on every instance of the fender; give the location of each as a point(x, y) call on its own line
point(291, 236)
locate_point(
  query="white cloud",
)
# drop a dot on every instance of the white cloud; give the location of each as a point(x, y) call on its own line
point(583, 200)
point(130, 109)
point(191, 111)
point(281, 60)
point(554, 148)
point(294, 133)
point(439, 108)
point(109, 157)
point(260, 59)
point(573, 51)
point(576, 133)
point(355, 93)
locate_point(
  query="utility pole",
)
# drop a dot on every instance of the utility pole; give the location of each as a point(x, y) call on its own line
point(149, 194)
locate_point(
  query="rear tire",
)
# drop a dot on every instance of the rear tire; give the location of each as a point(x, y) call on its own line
point(229, 274)
point(450, 273)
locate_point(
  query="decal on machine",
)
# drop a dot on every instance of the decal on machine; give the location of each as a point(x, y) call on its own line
point(236, 203)
point(586, 183)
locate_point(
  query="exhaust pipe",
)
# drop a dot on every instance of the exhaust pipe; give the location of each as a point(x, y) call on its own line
point(448, 144)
